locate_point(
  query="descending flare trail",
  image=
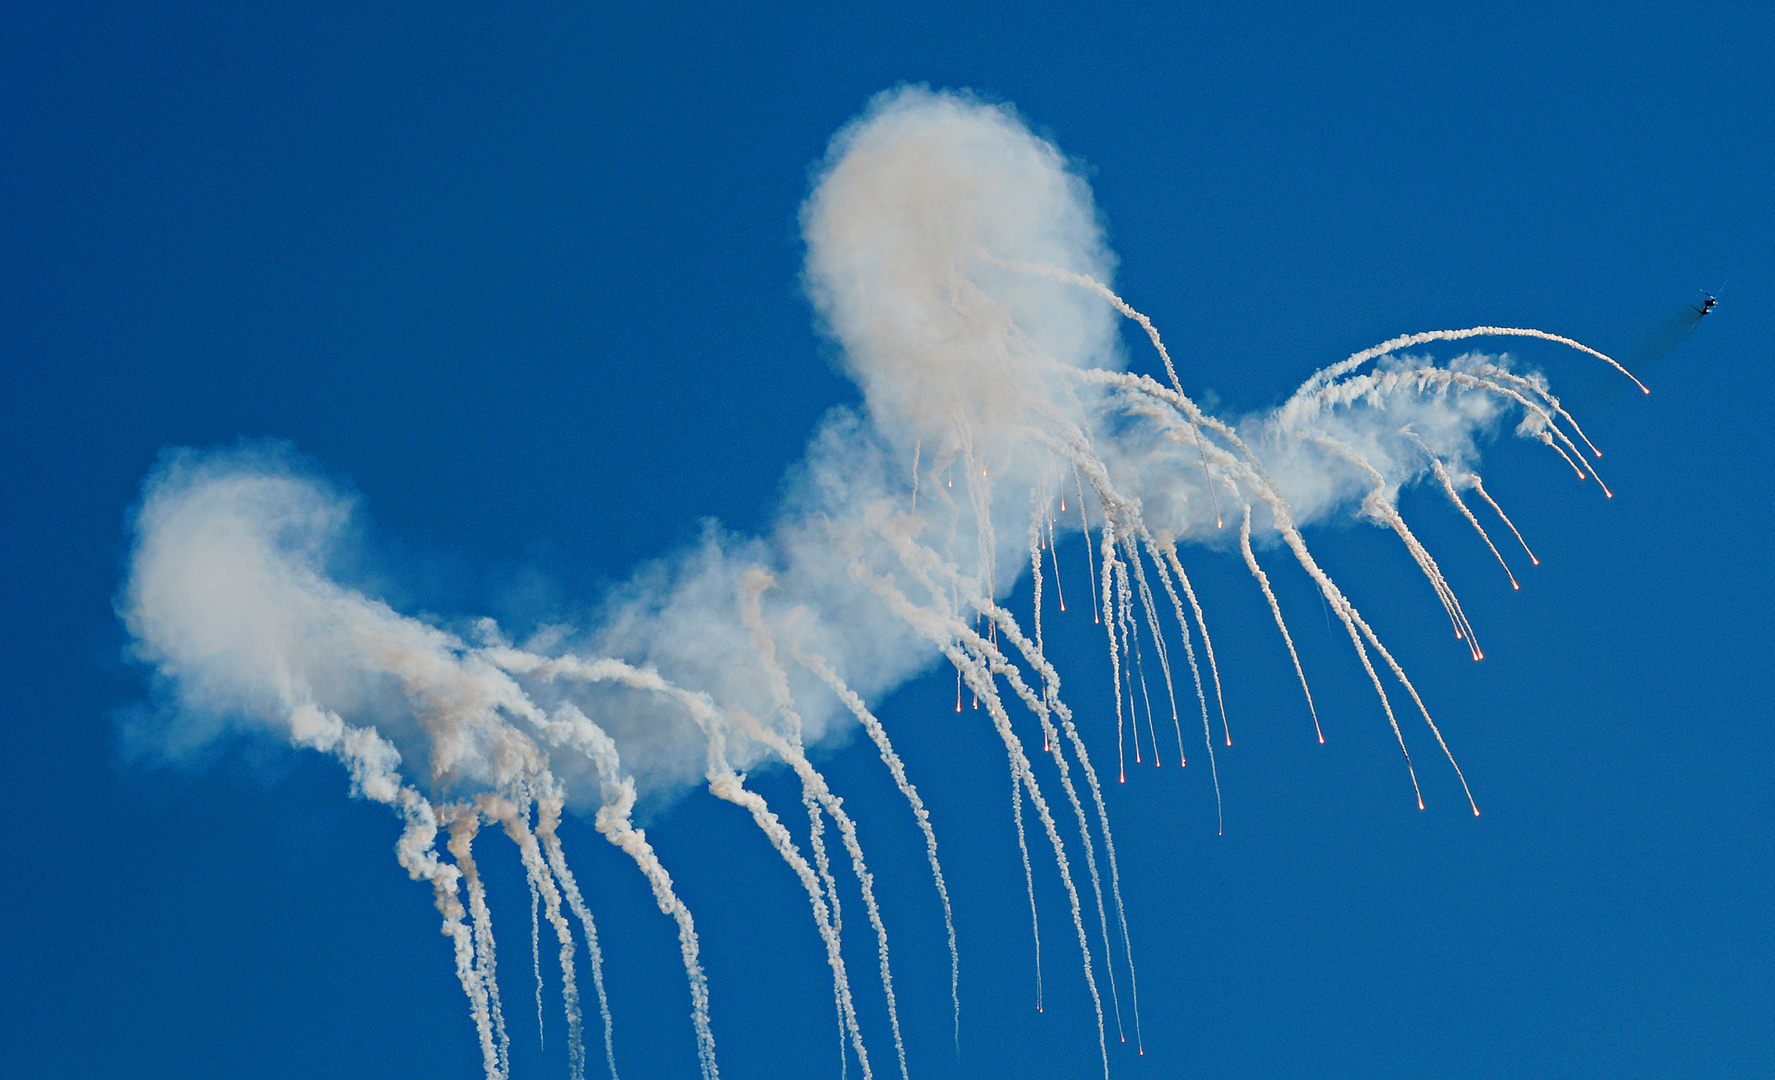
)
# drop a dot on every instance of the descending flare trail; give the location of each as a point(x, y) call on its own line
point(1263, 582)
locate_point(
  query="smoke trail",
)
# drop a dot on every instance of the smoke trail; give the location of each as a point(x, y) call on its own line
point(548, 814)
point(1035, 919)
point(1263, 582)
point(878, 734)
point(464, 823)
point(1448, 488)
point(927, 571)
point(959, 264)
point(1480, 487)
point(814, 789)
point(536, 957)
point(726, 784)
point(536, 868)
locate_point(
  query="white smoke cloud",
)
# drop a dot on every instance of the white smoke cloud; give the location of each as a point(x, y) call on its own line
point(958, 261)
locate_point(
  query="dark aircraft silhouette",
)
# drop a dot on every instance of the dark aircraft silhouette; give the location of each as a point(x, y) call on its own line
point(1656, 345)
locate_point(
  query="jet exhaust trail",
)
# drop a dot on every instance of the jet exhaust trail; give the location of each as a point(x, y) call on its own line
point(959, 264)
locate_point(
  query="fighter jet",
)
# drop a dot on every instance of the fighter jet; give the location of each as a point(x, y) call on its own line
point(1704, 306)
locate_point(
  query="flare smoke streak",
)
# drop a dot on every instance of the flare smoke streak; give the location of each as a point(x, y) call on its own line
point(960, 265)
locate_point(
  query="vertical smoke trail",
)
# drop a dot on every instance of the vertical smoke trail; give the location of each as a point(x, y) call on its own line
point(917, 445)
point(923, 566)
point(974, 670)
point(1051, 692)
point(1035, 920)
point(897, 770)
point(816, 842)
point(1054, 555)
point(1085, 527)
point(511, 816)
point(725, 784)
point(1207, 641)
point(1038, 500)
point(1263, 582)
point(371, 761)
point(1042, 708)
point(814, 787)
point(548, 818)
point(1189, 653)
point(1149, 608)
point(1145, 697)
point(613, 822)
point(1399, 673)
point(866, 881)
point(570, 727)
point(1201, 696)
point(536, 955)
point(980, 494)
point(465, 822)
point(1130, 648)
point(982, 685)
point(1110, 626)
point(921, 563)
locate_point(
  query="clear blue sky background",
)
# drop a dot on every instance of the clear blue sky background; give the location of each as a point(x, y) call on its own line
point(529, 282)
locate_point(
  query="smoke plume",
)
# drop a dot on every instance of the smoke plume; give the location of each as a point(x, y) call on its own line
point(958, 262)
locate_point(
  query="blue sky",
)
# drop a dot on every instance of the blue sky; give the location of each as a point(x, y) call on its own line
point(529, 284)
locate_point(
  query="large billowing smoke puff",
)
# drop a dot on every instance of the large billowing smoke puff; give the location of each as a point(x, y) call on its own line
point(959, 263)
